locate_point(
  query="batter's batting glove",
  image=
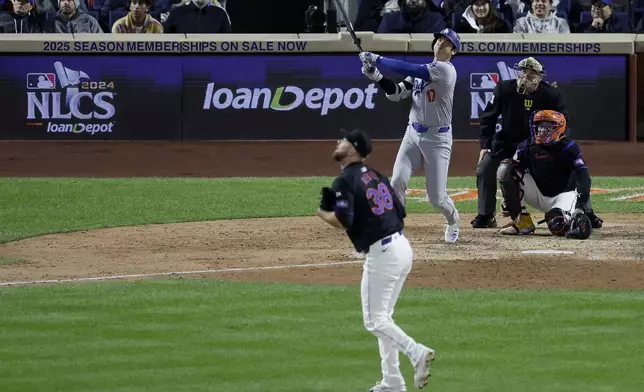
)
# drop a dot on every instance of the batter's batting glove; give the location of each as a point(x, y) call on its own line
point(328, 199)
point(369, 58)
point(371, 72)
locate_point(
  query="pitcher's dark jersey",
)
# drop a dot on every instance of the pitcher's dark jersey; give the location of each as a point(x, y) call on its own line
point(366, 205)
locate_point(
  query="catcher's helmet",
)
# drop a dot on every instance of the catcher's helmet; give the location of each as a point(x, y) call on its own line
point(547, 126)
point(451, 36)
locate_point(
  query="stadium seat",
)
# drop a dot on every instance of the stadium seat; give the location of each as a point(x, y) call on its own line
point(94, 14)
point(116, 15)
point(97, 5)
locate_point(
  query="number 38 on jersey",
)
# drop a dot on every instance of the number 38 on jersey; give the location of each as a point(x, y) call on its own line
point(380, 199)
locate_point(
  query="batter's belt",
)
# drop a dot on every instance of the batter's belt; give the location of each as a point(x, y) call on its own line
point(423, 129)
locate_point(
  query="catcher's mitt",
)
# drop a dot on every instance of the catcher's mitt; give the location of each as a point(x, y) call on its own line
point(328, 199)
point(580, 226)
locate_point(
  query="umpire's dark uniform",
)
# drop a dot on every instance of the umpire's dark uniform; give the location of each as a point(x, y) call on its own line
point(515, 110)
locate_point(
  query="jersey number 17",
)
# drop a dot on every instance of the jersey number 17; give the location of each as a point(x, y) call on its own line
point(380, 199)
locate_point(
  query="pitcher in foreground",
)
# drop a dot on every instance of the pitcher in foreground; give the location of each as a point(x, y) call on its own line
point(361, 201)
point(428, 139)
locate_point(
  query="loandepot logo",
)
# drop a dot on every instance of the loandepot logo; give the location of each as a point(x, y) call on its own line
point(288, 98)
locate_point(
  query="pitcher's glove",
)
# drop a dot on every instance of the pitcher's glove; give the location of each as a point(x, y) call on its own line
point(580, 226)
point(328, 199)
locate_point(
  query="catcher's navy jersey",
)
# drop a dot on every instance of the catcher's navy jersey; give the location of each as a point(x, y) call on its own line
point(366, 205)
point(552, 166)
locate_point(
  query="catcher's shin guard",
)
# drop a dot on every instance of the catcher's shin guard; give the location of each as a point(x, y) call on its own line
point(509, 183)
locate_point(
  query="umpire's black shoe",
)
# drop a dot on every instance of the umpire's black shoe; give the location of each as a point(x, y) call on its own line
point(595, 221)
point(484, 222)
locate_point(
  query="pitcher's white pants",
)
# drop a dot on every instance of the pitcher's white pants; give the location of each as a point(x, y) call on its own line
point(385, 270)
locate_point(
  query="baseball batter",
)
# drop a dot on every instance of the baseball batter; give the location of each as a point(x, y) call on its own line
point(428, 139)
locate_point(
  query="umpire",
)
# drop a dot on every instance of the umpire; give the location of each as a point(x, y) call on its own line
point(515, 100)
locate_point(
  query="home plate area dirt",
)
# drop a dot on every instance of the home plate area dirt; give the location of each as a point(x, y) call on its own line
point(612, 258)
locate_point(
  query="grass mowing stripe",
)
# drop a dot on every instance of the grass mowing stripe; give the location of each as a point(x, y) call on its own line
point(33, 206)
point(203, 335)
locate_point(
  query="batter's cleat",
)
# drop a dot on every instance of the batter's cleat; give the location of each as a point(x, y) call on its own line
point(421, 368)
point(595, 221)
point(451, 230)
point(484, 222)
point(382, 388)
point(522, 225)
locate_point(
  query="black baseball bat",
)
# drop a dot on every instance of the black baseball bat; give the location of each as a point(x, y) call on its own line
point(347, 22)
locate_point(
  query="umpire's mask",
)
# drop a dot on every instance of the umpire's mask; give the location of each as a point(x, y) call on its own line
point(529, 76)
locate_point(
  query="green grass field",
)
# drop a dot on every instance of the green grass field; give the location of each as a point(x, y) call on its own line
point(208, 335)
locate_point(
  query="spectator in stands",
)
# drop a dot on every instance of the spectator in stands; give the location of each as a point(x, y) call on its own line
point(198, 17)
point(603, 20)
point(138, 20)
point(70, 19)
point(52, 6)
point(481, 17)
point(370, 13)
point(541, 20)
point(155, 10)
point(24, 19)
point(413, 17)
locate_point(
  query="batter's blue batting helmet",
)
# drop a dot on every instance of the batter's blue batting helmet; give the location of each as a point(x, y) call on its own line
point(451, 36)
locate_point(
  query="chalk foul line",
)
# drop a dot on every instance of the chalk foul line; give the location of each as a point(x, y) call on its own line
point(157, 274)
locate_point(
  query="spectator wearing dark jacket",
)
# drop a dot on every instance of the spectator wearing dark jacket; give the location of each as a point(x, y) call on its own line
point(24, 19)
point(481, 17)
point(603, 20)
point(52, 7)
point(197, 17)
point(413, 17)
point(72, 20)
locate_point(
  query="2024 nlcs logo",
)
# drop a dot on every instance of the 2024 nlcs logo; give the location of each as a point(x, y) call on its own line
point(83, 105)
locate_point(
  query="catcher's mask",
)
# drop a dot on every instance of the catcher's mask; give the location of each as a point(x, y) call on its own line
point(547, 126)
point(530, 74)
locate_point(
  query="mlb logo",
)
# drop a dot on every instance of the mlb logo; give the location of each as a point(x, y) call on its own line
point(41, 81)
point(484, 81)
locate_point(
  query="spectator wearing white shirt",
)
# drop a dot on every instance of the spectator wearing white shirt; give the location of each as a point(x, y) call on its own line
point(541, 20)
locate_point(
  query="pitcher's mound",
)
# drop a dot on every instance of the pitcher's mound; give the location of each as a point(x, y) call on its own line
point(276, 250)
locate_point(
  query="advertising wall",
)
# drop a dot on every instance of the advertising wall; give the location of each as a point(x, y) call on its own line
point(278, 96)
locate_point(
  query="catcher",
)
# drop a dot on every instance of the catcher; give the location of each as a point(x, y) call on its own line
point(547, 172)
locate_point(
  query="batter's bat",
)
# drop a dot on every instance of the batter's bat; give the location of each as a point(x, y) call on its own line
point(347, 22)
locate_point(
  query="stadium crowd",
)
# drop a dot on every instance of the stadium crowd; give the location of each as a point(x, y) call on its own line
point(379, 16)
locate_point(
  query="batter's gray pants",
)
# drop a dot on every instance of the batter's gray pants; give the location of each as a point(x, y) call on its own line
point(433, 150)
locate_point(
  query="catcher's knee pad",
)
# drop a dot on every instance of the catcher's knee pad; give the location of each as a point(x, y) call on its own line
point(558, 222)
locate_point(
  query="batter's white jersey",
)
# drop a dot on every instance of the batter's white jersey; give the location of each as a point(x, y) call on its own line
point(432, 101)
